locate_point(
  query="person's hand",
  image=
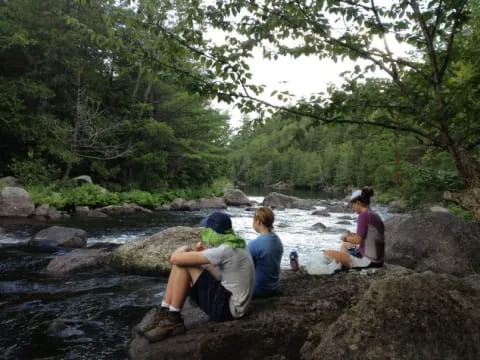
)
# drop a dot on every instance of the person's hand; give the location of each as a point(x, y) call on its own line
point(183, 248)
point(344, 236)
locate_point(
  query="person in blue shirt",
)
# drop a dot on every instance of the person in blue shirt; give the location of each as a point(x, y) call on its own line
point(266, 251)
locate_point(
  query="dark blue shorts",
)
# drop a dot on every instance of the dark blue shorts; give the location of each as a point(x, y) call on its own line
point(210, 296)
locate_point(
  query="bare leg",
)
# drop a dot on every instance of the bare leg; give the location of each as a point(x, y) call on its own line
point(339, 256)
point(179, 282)
point(170, 284)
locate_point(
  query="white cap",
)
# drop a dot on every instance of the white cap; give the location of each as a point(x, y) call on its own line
point(355, 194)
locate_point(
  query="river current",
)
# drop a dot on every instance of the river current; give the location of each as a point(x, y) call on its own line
point(90, 314)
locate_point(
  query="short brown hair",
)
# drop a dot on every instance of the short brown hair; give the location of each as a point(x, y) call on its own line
point(265, 216)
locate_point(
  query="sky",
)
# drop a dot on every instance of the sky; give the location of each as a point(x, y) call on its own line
point(302, 76)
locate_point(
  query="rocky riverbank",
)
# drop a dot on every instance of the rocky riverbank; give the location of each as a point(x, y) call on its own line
point(389, 313)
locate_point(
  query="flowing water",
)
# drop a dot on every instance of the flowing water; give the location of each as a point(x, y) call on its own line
point(95, 310)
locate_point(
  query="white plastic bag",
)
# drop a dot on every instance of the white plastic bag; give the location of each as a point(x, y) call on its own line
point(319, 264)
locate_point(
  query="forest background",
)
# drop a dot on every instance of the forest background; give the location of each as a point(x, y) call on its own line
point(121, 91)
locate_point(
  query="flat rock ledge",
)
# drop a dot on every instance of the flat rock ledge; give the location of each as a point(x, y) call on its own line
point(370, 314)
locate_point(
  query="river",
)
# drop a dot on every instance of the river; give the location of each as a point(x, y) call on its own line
point(101, 306)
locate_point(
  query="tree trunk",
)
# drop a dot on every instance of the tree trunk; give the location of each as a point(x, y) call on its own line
point(468, 168)
point(68, 169)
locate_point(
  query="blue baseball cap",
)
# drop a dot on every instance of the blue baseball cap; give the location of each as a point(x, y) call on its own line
point(218, 222)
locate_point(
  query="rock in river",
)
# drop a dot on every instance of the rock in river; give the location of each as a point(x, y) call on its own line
point(77, 260)
point(151, 254)
point(281, 202)
point(59, 236)
point(236, 197)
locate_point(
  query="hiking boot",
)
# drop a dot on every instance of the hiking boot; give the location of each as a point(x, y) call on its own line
point(170, 325)
point(151, 319)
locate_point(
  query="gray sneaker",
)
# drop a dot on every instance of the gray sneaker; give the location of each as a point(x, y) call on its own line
point(151, 319)
point(171, 324)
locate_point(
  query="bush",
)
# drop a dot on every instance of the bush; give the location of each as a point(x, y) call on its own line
point(61, 195)
point(34, 171)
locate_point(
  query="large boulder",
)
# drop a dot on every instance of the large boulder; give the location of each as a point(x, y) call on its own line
point(59, 236)
point(150, 255)
point(294, 324)
point(280, 202)
point(440, 242)
point(9, 181)
point(77, 260)
point(236, 197)
point(15, 202)
point(206, 203)
point(123, 209)
point(419, 316)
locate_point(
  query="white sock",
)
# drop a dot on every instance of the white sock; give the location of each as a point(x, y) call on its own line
point(165, 305)
point(173, 308)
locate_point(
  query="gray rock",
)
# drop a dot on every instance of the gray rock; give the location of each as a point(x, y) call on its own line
point(85, 211)
point(325, 317)
point(9, 181)
point(70, 329)
point(83, 179)
point(96, 214)
point(438, 208)
point(123, 209)
point(207, 203)
point(439, 242)
point(321, 213)
point(82, 210)
point(42, 210)
point(164, 207)
point(15, 202)
point(236, 197)
point(58, 236)
point(435, 317)
point(343, 222)
point(54, 214)
point(77, 260)
point(281, 201)
point(2, 231)
point(339, 208)
point(179, 204)
point(318, 226)
point(150, 255)
point(397, 206)
point(346, 217)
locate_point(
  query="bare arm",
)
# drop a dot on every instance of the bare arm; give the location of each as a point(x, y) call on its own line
point(352, 238)
point(183, 257)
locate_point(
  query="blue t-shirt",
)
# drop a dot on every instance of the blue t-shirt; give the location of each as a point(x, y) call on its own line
point(267, 251)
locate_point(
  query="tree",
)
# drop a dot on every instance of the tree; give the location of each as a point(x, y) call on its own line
point(433, 94)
